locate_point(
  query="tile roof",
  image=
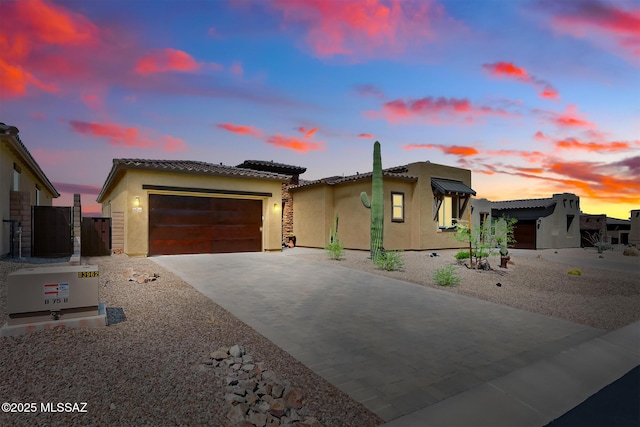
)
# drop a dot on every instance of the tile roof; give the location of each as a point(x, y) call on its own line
point(449, 186)
point(18, 147)
point(183, 166)
point(271, 166)
point(523, 204)
point(397, 172)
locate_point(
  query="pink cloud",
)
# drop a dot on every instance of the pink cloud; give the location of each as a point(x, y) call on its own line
point(437, 110)
point(606, 24)
point(240, 129)
point(365, 135)
point(362, 28)
point(164, 60)
point(457, 150)
point(294, 143)
point(236, 69)
point(510, 70)
point(569, 119)
point(307, 132)
point(127, 136)
point(574, 144)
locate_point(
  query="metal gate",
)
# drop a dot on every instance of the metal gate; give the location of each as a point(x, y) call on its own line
point(95, 237)
point(52, 235)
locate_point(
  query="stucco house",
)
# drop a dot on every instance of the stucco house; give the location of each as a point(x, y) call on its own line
point(634, 232)
point(422, 203)
point(552, 222)
point(23, 184)
point(181, 206)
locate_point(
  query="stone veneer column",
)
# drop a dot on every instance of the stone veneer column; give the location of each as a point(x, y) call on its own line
point(77, 219)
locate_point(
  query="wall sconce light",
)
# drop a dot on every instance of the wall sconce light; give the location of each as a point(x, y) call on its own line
point(276, 208)
point(136, 204)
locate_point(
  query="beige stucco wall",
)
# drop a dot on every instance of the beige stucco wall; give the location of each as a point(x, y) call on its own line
point(27, 183)
point(315, 206)
point(136, 224)
point(552, 233)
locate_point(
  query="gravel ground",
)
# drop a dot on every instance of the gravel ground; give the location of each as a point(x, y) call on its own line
point(147, 370)
point(537, 281)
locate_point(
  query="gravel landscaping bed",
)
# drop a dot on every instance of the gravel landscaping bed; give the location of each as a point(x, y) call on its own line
point(535, 282)
point(154, 368)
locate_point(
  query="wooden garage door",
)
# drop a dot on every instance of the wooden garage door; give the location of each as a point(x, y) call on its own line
point(191, 225)
point(525, 234)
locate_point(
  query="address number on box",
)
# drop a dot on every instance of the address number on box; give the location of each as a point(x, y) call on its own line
point(83, 274)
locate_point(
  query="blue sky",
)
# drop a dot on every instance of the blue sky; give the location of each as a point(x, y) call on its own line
point(535, 97)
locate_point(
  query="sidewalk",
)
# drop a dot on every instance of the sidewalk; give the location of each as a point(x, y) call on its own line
point(541, 392)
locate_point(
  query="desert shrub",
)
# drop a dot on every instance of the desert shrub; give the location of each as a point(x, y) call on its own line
point(575, 272)
point(335, 250)
point(465, 254)
point(389, 260)
point(446, 276)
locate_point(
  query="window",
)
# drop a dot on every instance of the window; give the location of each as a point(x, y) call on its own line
point(397, 207)
point(16, 177)
point(448, 212)
point(569, 221)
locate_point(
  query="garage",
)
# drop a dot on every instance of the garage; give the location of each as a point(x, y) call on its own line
point(525, 234)
point(181, 224)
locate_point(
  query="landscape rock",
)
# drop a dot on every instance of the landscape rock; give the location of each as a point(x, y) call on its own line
point(630, 252)
point(254, 395)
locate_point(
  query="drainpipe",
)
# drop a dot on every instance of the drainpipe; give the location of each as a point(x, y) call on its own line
point(19, 233)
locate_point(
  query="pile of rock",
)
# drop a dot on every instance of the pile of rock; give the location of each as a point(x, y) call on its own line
point(142, 276)
point(255, 397)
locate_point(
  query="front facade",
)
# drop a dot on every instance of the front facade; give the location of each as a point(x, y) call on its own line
point(422, 203)
point(634, 232)
point(178, 207)
point(543, 223)
point(23, 184)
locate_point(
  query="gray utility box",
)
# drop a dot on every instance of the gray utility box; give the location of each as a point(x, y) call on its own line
point(40, 294)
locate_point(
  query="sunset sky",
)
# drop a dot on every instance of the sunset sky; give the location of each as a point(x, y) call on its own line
point(535, 97)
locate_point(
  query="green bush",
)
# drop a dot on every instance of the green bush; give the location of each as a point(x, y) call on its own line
point(389, 260)
point(575, 272)
point(335, 250)
point(446, 276)
point(465, 255)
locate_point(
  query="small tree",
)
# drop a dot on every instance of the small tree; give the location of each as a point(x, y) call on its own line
point(596, 241)
point(487, 240)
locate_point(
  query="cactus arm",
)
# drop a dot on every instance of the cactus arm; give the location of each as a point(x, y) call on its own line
point(365, 200)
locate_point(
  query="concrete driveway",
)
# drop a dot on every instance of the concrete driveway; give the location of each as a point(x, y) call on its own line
point(394, 346)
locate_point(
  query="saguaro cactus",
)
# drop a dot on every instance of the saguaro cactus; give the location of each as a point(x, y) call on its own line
point(376, 204)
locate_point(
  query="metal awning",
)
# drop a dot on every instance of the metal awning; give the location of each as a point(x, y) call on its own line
point(451, 187)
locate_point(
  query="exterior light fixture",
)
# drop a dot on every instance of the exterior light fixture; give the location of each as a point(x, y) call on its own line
point(137, 204)
point(276, 208)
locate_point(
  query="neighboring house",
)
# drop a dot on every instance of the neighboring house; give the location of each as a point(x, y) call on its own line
point(634, 233)
point(294, 173)
point(181, 206)
point(422, 203)
point(23, 184)
point(543, 223)
point(618, 231)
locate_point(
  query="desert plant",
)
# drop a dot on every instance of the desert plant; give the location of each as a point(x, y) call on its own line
point(389, 260)
point(446, 276)
point(575, 272)
point(376, 204)
point(596, 241)
point(460, 255)
point(335, 248)
point(486, 241)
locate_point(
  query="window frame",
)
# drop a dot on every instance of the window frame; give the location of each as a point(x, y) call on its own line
point(394, 218)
